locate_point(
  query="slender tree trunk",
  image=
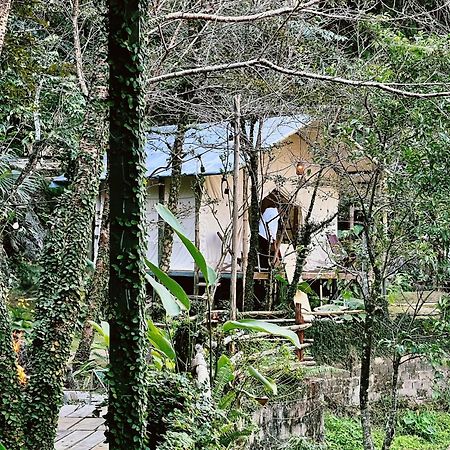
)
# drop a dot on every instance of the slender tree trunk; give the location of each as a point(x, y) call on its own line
point(365, 377)
point(392, 416)
point(304, 242)
point(5, 7)
point(127, 374)
point(98, 292)
point(11, 411)
point(59, 298)
point(254, 215)
point(174, 195)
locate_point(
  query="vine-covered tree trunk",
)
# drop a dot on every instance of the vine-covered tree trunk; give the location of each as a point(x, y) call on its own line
point(11, 411)
point(59, 297)
point(174, 195)
point(127, 373)
point(97, 294)
point(253, 216)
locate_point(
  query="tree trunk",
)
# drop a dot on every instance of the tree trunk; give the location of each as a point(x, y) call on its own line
point(11, 411)
point(98, 293)
point(254, 215)
point(304, 242)
point(365, 378)
point(59, 298)
point(174, 195)
point(392, 416)
point(128, 346)
point(5, 7)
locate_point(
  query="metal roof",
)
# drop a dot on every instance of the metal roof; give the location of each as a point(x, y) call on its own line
point(208, 147)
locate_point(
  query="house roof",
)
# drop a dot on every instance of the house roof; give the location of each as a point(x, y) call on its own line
point(208, 147)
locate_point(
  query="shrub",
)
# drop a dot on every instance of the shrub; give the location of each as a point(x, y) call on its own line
point(181, 418)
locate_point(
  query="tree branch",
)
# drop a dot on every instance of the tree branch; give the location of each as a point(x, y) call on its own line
point(237, 19)
point(300, 74)
point(77, 45)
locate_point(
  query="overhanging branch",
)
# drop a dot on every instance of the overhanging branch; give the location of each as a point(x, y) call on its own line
point(246, 18)
point(299, 74)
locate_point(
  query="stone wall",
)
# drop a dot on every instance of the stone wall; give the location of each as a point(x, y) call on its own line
point(278, 421)
point(337, 388)
point(416, 383)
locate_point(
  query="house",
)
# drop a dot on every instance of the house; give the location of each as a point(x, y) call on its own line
point(287, 175)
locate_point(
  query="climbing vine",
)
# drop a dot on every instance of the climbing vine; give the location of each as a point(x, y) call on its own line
point(10, 414)
point(59, 298)
point(127, 374)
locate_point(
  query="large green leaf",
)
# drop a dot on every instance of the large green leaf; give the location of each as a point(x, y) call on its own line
point(208, 272)
point(169, 302)
point(269, 384)
point(159, 341)
point(2, 447)
point(102, 329)
point(259, 325)
point(305, 287)
point(177, 291)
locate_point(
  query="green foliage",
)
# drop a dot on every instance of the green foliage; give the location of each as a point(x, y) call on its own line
point(103, 330)
point(302, 443)
point(181, 418)
point(208, 272)
point(160, 342)
point(259, 325)
point(418, 423)
point(268, 384)
point(175, 289)
point(344, 433)
point(58, 304)
point(170, 303)
point(11, 419)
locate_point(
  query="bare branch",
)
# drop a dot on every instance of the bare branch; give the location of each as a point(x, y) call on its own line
point(237, 19)
point(5, 6)
point(300, 74)
point(76, 42)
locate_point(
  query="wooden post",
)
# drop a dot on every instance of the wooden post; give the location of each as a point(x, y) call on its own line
point(299, 320)
point(235, 217)
point(351, 223)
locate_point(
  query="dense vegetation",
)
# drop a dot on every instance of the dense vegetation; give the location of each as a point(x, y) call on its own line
point(373, 75)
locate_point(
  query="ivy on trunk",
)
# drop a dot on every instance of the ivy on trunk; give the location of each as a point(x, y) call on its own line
point(127, 374)
point(59, 298)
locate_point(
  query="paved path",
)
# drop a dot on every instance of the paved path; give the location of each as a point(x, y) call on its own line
point(78, 429)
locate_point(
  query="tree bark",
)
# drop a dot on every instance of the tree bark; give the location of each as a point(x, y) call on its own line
point(98, 293)
point(174, 195)
point(304, 242)
point(365, 378)
point(254, 215)
point(59, 298)
point(5, 7)
point(392, 416)
point(128, 346)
